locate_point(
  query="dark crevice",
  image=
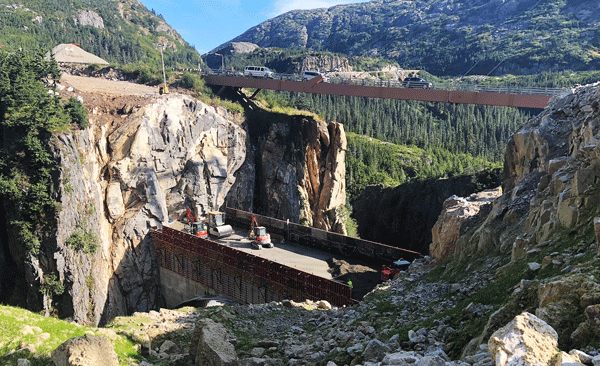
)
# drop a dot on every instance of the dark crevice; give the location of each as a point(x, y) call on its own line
point(8, 272)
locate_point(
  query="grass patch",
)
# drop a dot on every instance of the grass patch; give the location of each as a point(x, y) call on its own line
point(24, 334)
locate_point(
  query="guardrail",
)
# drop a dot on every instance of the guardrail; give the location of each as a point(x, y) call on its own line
point(241, 276)
point(324, 240)
point(481, 88)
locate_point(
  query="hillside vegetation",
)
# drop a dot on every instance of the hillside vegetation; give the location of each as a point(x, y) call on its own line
point(118, 31)
point(449, 37)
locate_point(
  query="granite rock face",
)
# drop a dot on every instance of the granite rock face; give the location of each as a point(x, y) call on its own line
point(404, 216)
point(457, 215)
point(139, 165)
point(301, 173)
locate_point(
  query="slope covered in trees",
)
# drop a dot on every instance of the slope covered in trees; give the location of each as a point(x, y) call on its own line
point(118, 31)
point(449, 37)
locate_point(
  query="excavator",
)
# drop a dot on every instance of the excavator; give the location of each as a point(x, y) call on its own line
point(216, 225)
point(258, 235)
point(196, 227)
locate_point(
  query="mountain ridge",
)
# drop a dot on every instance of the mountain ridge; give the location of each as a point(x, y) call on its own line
point(447, 37)
point(117, 31)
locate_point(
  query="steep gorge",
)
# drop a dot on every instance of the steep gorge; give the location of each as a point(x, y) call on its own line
point(138, 165)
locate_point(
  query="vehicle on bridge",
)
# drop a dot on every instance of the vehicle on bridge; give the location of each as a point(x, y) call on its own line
point(258, 72)
point(258, 235)
point(307, 75)
point(417, 83)
point(216, 225)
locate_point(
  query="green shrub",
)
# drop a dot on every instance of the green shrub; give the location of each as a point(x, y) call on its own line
point(52, 286)
point(83, 240)
point(192, 81)
point(77, 112)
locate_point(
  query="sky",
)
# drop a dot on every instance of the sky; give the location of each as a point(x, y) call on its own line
point(207, 24)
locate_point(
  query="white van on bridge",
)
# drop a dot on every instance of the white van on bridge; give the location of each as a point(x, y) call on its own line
point(258, 72)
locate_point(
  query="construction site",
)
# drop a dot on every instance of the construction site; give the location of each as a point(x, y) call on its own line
point(248, 258)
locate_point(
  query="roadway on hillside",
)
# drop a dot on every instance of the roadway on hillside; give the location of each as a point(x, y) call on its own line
point(104, 86)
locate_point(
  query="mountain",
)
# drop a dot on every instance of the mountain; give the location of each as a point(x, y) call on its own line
point(122, 31)
point(448, 37)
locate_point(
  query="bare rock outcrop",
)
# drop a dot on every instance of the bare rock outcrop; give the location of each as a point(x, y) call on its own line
point(121, 179)
point(458, 215)
point(551, 170)
point(325, 64)
point(527, 340)
point(302, 173)
point(550, 195)
point(85, 351)
point(89, 17)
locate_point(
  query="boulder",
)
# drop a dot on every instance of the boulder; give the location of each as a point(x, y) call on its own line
point(455, 217)
point(526, 340)
point(375, 350)
point(210, 345)
point(114, 201)
point(85, 351)
point(565, 359)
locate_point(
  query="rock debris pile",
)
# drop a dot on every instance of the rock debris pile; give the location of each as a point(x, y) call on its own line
point(374, 333)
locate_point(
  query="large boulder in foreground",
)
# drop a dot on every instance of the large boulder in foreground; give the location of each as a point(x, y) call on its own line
point(526, 340)
point(210, 345)
point(85, 351)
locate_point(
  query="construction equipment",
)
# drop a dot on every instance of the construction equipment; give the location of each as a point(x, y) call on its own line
point(196, 227)
point(163, 89)
point(258, 235)
point(216, 225)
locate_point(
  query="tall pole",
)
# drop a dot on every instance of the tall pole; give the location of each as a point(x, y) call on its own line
point(163, 66)
point(222, 66)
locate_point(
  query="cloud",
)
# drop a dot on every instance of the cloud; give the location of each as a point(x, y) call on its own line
point(283, 6)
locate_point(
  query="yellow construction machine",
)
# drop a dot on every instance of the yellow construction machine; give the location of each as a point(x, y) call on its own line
point(216, 225)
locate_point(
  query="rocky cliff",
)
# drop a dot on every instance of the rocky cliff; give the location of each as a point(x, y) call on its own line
point(404, 216)
point(301, 173)
point(137, 167)
point(543, 224)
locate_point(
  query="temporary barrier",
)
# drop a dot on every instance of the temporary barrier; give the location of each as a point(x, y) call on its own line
point(241, 276)
point(323, 240)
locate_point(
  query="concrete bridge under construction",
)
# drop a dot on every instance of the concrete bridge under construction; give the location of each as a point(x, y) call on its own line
point(191, 266)
point(525, 97)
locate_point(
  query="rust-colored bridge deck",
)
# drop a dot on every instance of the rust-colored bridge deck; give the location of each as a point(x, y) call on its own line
point(508, 97)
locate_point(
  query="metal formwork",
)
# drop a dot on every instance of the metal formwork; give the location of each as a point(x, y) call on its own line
point(241, 276)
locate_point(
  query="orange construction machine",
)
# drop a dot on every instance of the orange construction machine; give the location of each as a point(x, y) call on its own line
point(258, 235)
point(196, 227)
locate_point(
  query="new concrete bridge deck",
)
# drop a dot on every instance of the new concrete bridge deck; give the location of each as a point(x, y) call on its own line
point(292, 255)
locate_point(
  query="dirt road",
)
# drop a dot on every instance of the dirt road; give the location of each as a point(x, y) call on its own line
point(103, 86)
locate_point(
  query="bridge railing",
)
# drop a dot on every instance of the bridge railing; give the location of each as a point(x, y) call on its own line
point(457, 86)
point(241, 276)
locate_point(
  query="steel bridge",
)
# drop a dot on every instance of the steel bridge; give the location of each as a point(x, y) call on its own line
point(192, 266)
point(507, 96)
